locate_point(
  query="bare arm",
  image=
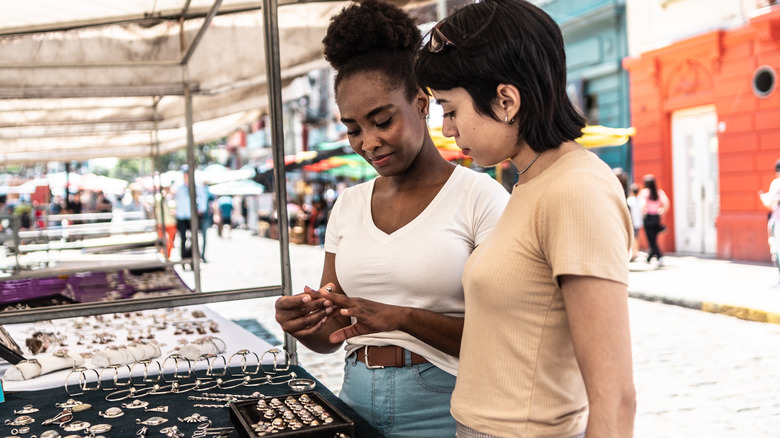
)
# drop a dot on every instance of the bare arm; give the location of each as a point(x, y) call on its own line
point(309, 317)
point(439, 331)
point(597, 311)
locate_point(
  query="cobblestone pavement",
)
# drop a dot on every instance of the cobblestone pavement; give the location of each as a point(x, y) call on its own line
point(703, 375)
point(697, 374)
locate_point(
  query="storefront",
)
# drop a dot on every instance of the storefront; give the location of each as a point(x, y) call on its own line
point(706, 114)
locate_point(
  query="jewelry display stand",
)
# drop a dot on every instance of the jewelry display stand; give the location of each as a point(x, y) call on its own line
point(202, 412)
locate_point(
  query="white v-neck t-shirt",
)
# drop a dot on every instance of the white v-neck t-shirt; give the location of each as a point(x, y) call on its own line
point(419, 265)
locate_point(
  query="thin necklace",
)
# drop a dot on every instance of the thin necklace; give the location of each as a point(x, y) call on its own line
point(520, 172)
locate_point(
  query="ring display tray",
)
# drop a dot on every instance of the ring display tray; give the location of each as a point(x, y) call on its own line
point(246, 415)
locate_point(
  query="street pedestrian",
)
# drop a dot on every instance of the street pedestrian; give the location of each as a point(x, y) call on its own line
point(771, 200)
point(635, 207)
point(546, 349)
point(655, 204)
point(395, 246)
point(183, 213)
point(225, 204)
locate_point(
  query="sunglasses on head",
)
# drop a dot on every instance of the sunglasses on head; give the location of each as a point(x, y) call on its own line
point(438, 41)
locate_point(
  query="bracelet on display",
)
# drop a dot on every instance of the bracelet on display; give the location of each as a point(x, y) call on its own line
point(145, 363)
point(176, 358)
point(243, 361)
point(275, 353)
point(82, 380)
point(134, 385)
point(117, 381)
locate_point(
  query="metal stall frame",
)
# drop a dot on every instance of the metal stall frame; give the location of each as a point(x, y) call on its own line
point(273, 70)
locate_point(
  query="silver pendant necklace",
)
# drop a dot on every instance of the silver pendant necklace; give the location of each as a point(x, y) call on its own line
point(520, 172)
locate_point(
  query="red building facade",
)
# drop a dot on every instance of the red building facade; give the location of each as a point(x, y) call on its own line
point(715, 71)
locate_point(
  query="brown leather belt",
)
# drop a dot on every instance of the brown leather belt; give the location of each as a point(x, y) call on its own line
point(389, 356)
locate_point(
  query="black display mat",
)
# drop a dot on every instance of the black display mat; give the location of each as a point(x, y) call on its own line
point(179, 406)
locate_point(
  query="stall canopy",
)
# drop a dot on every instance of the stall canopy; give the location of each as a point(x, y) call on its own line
point(99, 78)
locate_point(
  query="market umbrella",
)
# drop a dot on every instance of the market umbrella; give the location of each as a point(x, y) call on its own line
point(352, 166)
point(597, 136)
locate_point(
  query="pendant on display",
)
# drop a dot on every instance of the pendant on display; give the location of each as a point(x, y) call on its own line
point(26, 409)
point(20, 421)
point(112, 412)
point(172, 432)
point(50, 434)
point(136, 404)
point(81, 407)
point(99, 428)
point(75, 426)
point(153, 421)
point(63, 417)
point(194, 418)
point(74, 405)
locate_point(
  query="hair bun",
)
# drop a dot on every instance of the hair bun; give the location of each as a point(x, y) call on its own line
point(368, 27)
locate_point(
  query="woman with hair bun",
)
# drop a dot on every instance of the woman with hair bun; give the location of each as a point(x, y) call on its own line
point(395, 246)
point(546, 349)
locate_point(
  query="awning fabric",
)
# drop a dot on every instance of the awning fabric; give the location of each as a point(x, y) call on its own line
point(99, 78)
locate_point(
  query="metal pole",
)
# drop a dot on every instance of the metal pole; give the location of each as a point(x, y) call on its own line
point(157, 183)
point(195, 259)
point(273, 72)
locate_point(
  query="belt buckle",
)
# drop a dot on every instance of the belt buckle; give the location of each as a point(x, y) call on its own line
point(368, 365)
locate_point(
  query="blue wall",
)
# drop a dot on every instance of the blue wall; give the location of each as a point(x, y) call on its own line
point(596, 43)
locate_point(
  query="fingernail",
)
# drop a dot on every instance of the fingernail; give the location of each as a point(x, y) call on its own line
point(328, 310)
point(306, 298)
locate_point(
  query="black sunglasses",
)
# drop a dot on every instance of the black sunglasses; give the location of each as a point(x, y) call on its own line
point(438, 41)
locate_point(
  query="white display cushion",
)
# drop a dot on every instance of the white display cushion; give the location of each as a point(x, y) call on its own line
point(83, 332)
point(30, 369)
point(126, 354)
point(203, 346)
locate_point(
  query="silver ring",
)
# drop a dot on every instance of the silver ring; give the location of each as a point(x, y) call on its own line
point(301, 385)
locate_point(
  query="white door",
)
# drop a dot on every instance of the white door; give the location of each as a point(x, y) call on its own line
point(696, 194)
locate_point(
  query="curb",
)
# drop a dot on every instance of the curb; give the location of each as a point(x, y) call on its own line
point(740, 312)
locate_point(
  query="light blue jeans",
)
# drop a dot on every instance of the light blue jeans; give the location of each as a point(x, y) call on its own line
point(401, 402)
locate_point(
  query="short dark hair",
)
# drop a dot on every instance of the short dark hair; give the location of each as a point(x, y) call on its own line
point(373, 36)
point(507, 42)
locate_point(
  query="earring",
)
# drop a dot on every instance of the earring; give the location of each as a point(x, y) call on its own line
point(507, 121)
point(427, 118)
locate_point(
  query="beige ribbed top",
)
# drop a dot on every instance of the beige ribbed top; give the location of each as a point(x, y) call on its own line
point(518, 375)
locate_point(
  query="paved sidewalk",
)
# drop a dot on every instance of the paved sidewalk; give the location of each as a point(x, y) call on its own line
point(744, 290)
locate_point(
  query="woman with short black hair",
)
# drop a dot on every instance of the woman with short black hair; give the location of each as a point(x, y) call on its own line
point(546, 349)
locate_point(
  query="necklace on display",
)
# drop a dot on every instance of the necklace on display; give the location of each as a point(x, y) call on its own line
point(520, 172)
